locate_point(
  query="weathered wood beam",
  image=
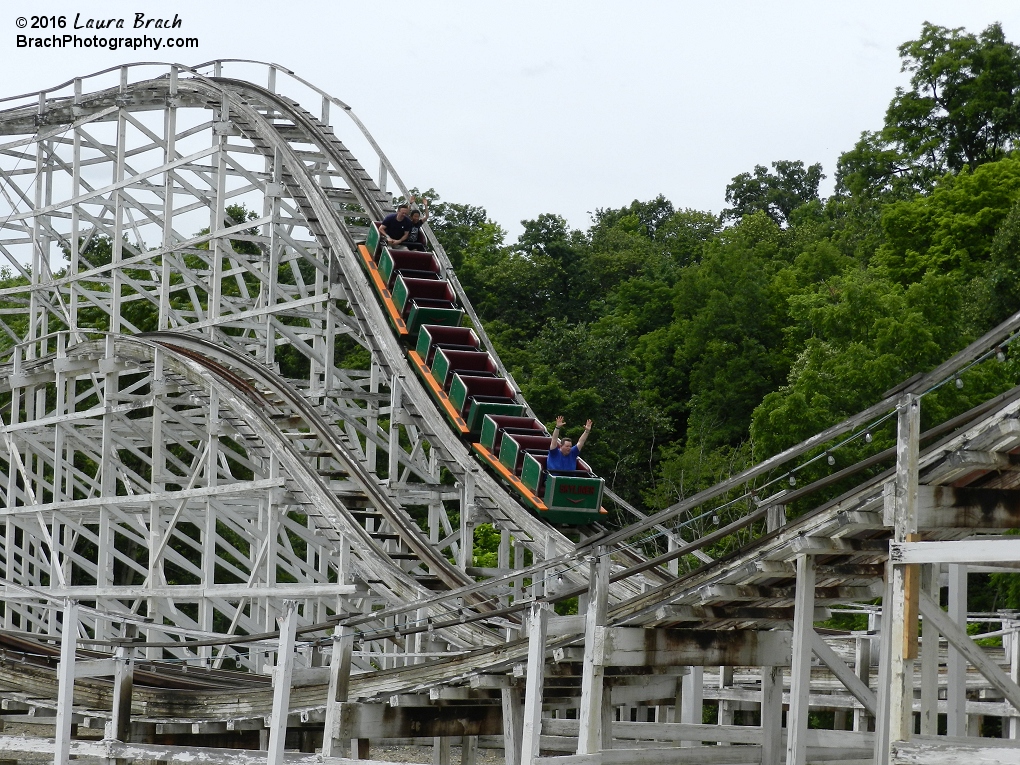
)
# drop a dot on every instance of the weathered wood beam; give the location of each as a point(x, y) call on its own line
point(974, 653)
point(665, 647)
point(991, 550)
point(845, 675)
point(375, 721)
point(764, 615)
point(728, 592)
point(949, 507)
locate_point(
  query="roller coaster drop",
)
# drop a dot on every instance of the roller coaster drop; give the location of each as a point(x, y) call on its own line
point(216, 444)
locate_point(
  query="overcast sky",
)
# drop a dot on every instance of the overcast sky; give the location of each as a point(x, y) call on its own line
point(564, 107)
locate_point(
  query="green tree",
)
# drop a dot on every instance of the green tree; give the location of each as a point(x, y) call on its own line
point(776, 193)
point(962, 110)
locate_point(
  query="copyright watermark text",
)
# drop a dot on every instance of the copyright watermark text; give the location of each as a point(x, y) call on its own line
point(85, 31)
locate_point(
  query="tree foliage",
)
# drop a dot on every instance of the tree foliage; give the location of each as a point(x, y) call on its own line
point(962, 109)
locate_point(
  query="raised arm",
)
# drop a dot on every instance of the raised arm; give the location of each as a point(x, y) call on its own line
point(554, 442)
point(584, 436)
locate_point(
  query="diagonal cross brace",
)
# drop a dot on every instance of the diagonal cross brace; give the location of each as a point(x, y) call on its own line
point(843, 673)
point(972, 652)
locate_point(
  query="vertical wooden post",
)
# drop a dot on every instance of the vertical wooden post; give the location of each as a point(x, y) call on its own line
point(589, 737)
point(725, 709)
point(929, 657)
point(862, 667)
point(956, 664)
point(513, 726)
point(537, 624)
point(339, 688)
point(771, 715)
point(123, 681)
point(692, 687)
point(469, 750)
point(441, 750)
point(65, 683)
point(281, 683)
point(467, 522)
point(800, 669)
point(1013, 723)
point(894, 721)
point(775, 517)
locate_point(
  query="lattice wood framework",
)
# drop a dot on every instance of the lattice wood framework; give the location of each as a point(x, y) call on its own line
point(200, 483)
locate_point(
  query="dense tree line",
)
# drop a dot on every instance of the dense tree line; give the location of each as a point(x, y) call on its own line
point(700, 343)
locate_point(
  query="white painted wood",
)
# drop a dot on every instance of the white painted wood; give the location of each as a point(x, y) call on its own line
point(513, 725)
point(971, 651)
point(846, 675)
point(338, 690)
point(692, 686)
point(929, 657)
point(589, 738)
point(65, 684)
point(800, 664)
point(537, 620)
point(988, 550)
point(772, 715)
point(956, 664)
point(281, 684)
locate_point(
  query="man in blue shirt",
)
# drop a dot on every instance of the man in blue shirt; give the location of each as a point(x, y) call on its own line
point(563, 454)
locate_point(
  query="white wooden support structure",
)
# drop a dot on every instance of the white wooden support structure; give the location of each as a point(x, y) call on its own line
point(513, 725)
point(800, 664)
point(970, 650)
point(692, 685)
point(956, 664)
point(589, 738)
point(123, 682)
point(338, 690)
point(65, 683)
point(930, 656)
point(1012, 644)
point(899, 647)
point(538, 620)
point(281, 684)
point(771, 715)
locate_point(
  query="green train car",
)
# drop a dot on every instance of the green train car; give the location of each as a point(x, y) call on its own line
point(465, 383)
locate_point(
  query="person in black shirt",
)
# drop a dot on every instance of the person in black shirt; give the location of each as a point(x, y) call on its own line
point(396, 227)
point(416, 238)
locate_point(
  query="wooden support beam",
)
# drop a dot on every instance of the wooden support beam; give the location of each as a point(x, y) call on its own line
point(956, 664)
point(65, 684)
point(731, 734)
point(380, 721)
point(667, 647)
point(949, 507)
point(692, 686)
point(972, 652)
point(589, 739)
point(513, 725)
point(123, 681)
point(338, 691)
point(929, 657)
point(281, 684)
point(991, 550)
point(771, 715)
point(537, 620)
point(858, 689)
point(730, 592)
point(800, 665)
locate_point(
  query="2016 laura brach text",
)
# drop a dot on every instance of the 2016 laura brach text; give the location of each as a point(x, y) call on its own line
point(140, 21)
